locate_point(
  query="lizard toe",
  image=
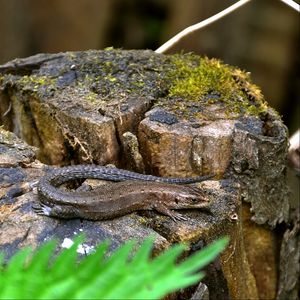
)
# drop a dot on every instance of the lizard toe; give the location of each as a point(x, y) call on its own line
point(41, 209)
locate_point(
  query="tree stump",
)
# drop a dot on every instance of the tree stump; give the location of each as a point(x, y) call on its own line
point(177, 116)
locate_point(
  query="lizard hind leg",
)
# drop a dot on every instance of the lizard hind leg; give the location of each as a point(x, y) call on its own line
point(59, 211)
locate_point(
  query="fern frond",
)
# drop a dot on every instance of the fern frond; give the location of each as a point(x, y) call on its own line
point(127, 273)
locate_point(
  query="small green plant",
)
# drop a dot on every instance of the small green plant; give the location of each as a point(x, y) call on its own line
point(128, 273)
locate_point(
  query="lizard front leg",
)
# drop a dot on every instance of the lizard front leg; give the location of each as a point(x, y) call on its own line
point(163, 209)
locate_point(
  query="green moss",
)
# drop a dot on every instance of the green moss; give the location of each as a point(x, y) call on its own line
point(111, 48)
point(193, 82)
point(208, 81)
point(92, 97)
point(139, 84)
point(34, 82)
point(110, 78)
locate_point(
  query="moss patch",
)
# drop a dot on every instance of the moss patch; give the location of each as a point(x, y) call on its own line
point(203, 82)
point(188, 85)
point(37, 83)
point(36, 80)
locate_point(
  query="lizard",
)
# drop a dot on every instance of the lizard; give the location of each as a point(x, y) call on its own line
point(130, 192)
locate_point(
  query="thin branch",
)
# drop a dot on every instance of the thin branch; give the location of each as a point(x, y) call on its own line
point(292, 4)
point(8, 110)
point(294, 151)
point(170, 43)
point(174, 40)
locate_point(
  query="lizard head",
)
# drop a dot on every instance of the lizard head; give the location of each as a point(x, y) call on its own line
point(189, 197)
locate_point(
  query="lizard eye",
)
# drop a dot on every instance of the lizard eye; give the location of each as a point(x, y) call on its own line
point(194, 200)
point(176, 200)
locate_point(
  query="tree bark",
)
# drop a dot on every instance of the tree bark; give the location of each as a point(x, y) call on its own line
point(145, 112)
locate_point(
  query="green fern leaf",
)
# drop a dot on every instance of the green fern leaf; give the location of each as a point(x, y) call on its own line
point(128, 273)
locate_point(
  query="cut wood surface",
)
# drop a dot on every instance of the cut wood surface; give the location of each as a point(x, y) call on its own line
point(176, 116)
